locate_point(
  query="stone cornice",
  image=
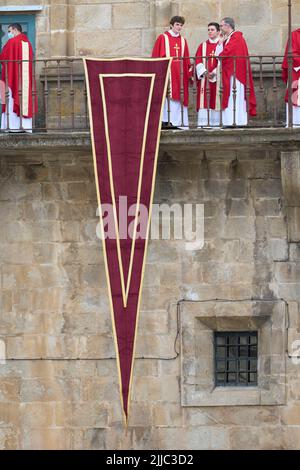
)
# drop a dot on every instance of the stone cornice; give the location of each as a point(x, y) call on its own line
point(247, 139)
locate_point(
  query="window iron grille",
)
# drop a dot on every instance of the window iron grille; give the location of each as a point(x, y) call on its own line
point(236, 359)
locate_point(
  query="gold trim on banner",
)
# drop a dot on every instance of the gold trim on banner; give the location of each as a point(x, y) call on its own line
point(125, 291)
point(114, 59)
point(101, 220)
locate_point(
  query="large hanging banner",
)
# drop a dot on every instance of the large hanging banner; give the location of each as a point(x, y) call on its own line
point(126, 98)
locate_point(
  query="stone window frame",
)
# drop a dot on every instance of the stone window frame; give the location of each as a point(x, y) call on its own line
point(199, 320)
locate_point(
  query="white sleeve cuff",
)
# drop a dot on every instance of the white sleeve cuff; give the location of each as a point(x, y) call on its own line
point(200, 69)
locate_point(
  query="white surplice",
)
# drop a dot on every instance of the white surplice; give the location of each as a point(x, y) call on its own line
point(176, 117)
point(296, 110)
point(11, 122)
point(296, 115)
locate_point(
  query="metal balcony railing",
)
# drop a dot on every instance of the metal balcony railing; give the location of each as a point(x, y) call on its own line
point(59, 91)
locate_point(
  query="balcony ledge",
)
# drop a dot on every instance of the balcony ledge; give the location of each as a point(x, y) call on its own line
point(280, 139)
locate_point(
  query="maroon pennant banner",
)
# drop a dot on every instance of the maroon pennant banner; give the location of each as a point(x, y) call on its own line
point(126, 98)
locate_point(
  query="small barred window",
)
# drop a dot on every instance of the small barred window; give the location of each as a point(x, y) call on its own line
point(235, 359)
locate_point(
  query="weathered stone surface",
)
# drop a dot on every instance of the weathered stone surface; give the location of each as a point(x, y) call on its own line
point(87, 44)
point(293, 215)
point(54, 304)
point(47, 439)
point(97, 17)
point(212, 438)
point(131, 15)
point(294, 251)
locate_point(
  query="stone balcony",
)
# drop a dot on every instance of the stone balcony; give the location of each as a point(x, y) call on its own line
point(246, 139)
point(62, 96)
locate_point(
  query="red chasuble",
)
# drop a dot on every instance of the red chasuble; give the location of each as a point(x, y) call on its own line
point(18, 75)
point(237, 46)
point(126, 98)
point(168, 46)
point(206, 49)
point(296, 63)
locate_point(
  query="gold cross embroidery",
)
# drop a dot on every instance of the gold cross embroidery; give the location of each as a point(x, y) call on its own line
point(177, 48)
point(212, 55)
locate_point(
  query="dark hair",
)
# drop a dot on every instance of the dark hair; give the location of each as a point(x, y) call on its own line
point(177, 19)
point(16, 26)
point(217, 26)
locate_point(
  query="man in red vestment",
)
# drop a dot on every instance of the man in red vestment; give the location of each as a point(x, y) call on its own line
point(236, 76)
point(295, 76)
point(17, 76)
point(172, 44)
point(206, 72)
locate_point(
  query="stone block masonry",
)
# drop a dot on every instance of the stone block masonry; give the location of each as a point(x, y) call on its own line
point(61, 391)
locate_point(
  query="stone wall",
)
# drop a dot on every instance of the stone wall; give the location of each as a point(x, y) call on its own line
point(54, 303)
point(122, 27)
